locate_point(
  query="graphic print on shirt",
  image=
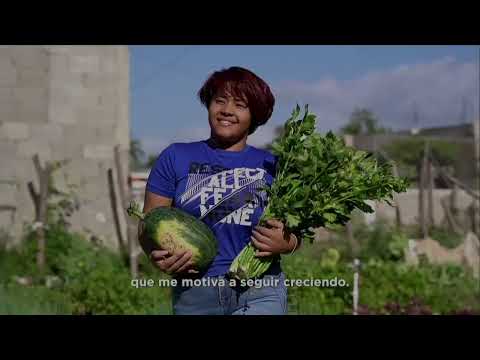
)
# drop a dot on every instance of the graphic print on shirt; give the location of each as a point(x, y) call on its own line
point(225, 195)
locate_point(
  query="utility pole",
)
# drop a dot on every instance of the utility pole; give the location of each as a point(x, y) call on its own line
point(476, 207)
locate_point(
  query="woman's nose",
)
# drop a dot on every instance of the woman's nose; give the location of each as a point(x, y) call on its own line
point(228, 108)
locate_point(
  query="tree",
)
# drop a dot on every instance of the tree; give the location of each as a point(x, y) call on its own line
point(408, 154)
point(362, 122)
point(151, 161)
point(136, 154)
point(277, 133)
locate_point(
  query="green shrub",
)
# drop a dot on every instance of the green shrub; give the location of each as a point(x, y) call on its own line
point(446, 238)
point(96, 280)
point(35, 300)
point(444, 289)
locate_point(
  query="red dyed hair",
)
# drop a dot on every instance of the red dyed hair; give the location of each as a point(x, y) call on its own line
point(245, 84)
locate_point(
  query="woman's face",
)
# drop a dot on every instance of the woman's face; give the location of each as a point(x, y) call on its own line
point(229, 117)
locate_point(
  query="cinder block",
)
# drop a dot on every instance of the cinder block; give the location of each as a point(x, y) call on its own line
point(95, 151)
point(58, 62)
point(122, 133)
point(30, 56)
point(81, 171)
point(7, 150)
point(9, 164)
point(61, 114)
point(6, 96)
point(9, 112)
point(99, 80)
point(84, 64)
point(14, 131)
point(79, 133)
point(7, 193)
point(97, 117)
point(70, 148)
point(8, 72)
point(24, 172)
point(30, 147)
point(32, 104)
point(7, 219)
point(49, 133)
point(86, 99)
point(32, 78)
point(109, 65)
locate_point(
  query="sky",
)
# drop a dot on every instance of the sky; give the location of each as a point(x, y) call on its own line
point(439, 83)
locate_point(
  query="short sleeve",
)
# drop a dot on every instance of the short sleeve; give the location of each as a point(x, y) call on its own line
point(162, 177)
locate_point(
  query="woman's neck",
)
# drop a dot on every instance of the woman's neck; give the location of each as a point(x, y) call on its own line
point(228, 146)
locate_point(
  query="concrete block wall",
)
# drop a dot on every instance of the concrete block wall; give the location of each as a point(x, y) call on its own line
point(63, 103)
point(408, 203)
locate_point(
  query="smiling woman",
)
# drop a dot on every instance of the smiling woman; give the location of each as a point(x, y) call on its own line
point(221, 182)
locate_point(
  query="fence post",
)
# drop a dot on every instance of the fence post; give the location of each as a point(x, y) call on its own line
point(430, 184)
point(421, 195)
point(398, 215)
point(356, 289)
point(476, 202)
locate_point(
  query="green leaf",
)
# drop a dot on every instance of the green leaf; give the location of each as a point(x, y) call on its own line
point(330, 217)
point(292, 220)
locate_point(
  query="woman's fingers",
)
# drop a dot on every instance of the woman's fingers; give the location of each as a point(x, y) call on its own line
point(164, 262)
point(181, 260)
point(157, 255)
point(260, 238)
point(263, 231)
point(260, 245)
point(263, 253)
point(185, 266)
point(275, 223)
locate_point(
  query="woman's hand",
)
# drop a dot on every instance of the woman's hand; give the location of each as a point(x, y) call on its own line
point(175, 263)
point(273, 241)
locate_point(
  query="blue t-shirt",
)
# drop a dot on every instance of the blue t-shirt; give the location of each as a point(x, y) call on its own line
point(219, 187)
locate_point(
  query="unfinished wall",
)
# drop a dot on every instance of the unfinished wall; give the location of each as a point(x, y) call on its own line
point(62, 103)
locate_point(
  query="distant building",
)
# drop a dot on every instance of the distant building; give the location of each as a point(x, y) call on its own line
point(461, 134)
point(451, 131)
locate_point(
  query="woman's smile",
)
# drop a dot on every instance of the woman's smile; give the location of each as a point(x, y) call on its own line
point(226, 122)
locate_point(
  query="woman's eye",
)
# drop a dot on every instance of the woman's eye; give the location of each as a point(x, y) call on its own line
point(241, 105)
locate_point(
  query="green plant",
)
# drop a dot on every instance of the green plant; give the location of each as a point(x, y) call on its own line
point(382, 284)
point(378, 241)
point(61, 203)
point(35, 300)
point(445, 237)
point(319, 182)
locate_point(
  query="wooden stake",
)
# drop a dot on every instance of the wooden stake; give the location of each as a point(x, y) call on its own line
point(476, 202)
point(430, 184)
point(126, 195)
point(351, 239)
point(40, 201)
point(356, 288)
point(113, 202)
point(421, 196)
point(450, 217)
point(398, 217)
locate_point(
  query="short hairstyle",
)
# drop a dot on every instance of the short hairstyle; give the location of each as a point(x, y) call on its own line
point(242, 83)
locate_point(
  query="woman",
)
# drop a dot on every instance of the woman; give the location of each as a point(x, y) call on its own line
point(218, 180)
